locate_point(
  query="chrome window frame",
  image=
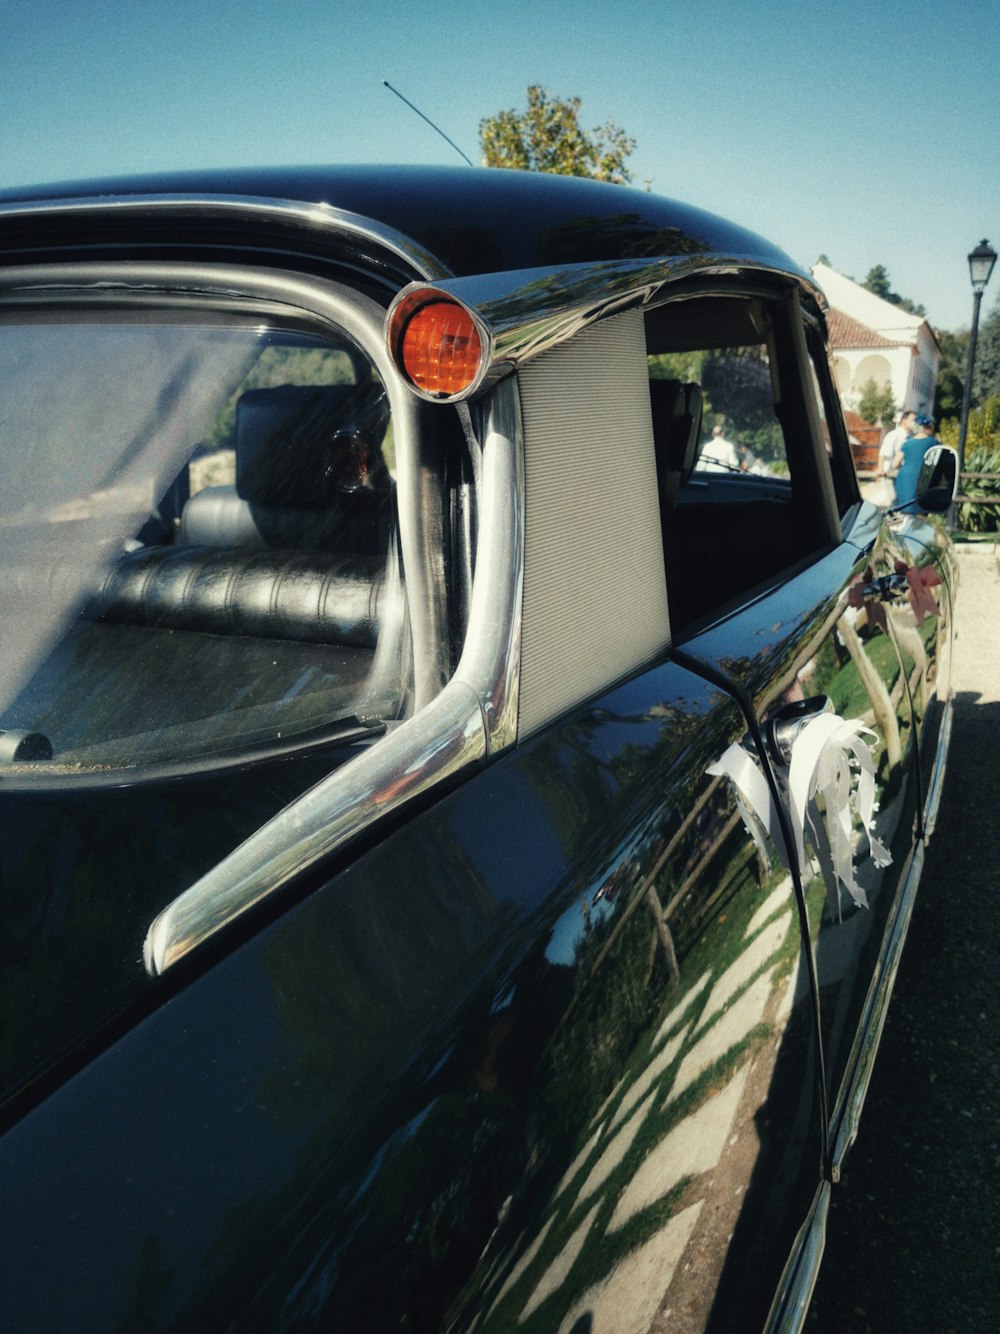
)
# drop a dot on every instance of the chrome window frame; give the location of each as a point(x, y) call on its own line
point(298, 218)
point(473, 717)
point(522, 314)
point(456, 722)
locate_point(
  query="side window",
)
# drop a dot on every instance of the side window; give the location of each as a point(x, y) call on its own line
point(832, 424)
point(213, 568)
point(740, 432)
point(734, 508)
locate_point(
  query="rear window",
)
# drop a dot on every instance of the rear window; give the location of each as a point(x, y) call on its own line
point(197, 541)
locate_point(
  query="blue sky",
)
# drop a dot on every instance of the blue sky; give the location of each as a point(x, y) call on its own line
point(869, 132)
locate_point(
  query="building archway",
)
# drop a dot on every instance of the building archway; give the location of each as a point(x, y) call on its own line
point(841, 375)
point(872, 367)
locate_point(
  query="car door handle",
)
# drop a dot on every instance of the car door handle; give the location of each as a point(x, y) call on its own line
point(887, 588)
point(782, 728)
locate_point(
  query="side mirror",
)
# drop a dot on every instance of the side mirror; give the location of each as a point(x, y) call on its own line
point(938, 481)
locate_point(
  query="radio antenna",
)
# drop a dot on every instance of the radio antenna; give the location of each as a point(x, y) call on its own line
point(387, 84)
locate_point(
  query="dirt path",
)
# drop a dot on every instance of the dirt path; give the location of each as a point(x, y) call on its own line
point(914, 1238)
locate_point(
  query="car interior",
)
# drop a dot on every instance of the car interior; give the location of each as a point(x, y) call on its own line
point(265, 606)
point(715, 361)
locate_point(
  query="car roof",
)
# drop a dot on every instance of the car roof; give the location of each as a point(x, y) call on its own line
point(472, 220)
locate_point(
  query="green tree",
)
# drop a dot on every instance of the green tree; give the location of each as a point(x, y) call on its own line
point(986, 382)
point(951, 373)
point(878, 283)
point(982, 454)
point(877, 404)
point(548, 137)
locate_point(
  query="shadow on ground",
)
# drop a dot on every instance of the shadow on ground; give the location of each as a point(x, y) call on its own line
point(914, 1236)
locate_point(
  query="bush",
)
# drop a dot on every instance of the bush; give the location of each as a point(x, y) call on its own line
point(982, 454)
point(982, 518)
point(877, 405)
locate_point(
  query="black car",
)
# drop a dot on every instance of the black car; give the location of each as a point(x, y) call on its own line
point(457, 836)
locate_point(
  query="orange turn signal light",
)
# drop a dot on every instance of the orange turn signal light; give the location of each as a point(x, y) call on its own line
point(441, 350)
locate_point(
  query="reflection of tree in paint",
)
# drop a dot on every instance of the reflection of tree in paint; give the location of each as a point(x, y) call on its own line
point(447, 1059)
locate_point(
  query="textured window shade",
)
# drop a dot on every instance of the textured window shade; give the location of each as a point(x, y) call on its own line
point(595, 600)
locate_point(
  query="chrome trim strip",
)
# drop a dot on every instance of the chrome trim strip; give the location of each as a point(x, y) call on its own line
point(420, 514)
point(474, 716)
point(791, 1302)
point(305, 216)
point(936, 786)
point(847, 1113)
point(445, 737)
point(491, 660)
point(531, 311)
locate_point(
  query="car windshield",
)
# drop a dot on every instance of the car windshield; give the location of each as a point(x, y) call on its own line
point(197, 541)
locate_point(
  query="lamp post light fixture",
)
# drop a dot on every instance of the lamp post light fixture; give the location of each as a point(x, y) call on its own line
point(981, 261)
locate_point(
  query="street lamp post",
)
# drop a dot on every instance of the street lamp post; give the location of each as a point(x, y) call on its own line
point(981, 261)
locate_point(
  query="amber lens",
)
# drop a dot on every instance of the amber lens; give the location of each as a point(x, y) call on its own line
point(442, 349)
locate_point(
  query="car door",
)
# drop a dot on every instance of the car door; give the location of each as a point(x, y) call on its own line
point(915, 581)
point(546, 1051)
point(816, 637)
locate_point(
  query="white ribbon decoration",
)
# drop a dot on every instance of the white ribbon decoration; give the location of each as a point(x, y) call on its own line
point(753, 799)
point(820, 766)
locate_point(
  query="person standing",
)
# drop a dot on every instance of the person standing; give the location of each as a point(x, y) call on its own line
point(719, 454)
point(908, 461)
point(893, 443)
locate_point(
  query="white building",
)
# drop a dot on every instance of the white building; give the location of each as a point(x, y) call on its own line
point(872, 339)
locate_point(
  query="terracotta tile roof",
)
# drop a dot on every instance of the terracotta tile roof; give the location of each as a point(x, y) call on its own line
point(847, 332)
